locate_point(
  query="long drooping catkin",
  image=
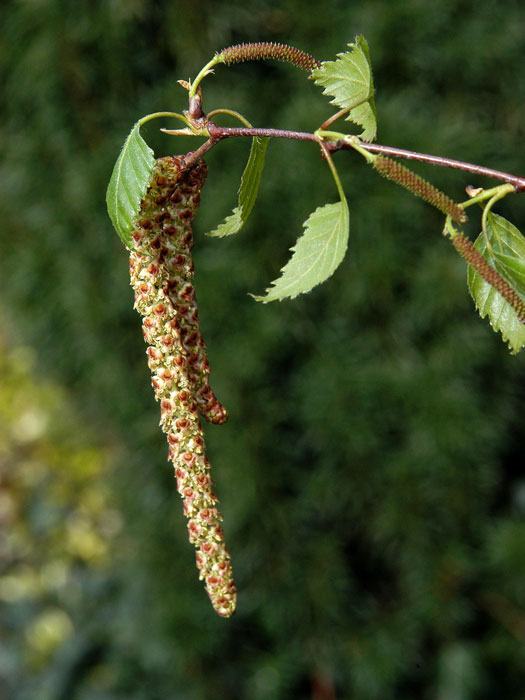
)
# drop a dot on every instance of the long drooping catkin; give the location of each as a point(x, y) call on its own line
point(161, 272)
point(392, 170)
point(169, 214)
point(261, 50)
point(177, 243)
point(467, 251)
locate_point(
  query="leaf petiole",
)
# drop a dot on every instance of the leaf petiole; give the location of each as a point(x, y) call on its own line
point(482, 196)
point(158, 115)
point(206, 70)
point(334, 118)
point(357, 146)
point(329, 135)
point(334, 172)
point(231, 113)
point(501, 191)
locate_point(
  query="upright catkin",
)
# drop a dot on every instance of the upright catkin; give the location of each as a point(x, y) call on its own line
point(261, 50)
point(161, 271)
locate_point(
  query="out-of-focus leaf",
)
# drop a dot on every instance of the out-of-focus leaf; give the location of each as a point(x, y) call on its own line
point(459, 673)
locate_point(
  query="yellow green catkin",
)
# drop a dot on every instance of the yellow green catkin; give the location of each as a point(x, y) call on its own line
point(392, 170)
point(468, 252)
point(268, 49)
point(161, 271)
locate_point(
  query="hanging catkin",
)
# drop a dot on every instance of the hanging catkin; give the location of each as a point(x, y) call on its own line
point(179, 265)
point(466, 249)
point(161, 272)
point(399, 173)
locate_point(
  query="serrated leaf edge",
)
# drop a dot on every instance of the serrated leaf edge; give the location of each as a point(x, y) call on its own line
point(268, 296)
point(481, 307)
point(248, 189)
point(360, 44)
point(120, 227)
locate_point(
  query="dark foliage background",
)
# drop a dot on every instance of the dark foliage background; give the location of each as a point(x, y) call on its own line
point(370, 473)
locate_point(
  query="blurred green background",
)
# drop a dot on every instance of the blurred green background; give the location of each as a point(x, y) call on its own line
point(370, 474)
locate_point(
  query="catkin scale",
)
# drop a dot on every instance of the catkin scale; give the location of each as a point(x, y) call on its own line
point(161, 271)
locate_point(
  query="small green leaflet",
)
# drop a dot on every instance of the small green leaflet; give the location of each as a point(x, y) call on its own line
point(128, 184)
point(349, 81)
point(248, 190)
point(507, 255)
point(316, 255)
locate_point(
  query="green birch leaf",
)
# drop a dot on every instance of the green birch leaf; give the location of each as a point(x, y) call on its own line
point(348, 79)
point(365, 116)
point(508, 249)
point(316, 255)
point(513, 269)
point(128, 184)
point(350, 82)
point(250, 181)
point(507, 256)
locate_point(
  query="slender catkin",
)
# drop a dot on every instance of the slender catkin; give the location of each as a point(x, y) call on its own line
point(177, 259)
point(268, 49)
point(466, 249)
point(161, 275)
point(392, 170)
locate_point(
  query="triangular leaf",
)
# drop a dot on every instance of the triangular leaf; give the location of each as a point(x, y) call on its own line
point(248, 190)
point(349, 81)
point(128, 184)
point(316, 255)
point(507, 256)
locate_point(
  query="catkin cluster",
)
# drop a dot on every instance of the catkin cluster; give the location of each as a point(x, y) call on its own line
point(161, 271)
